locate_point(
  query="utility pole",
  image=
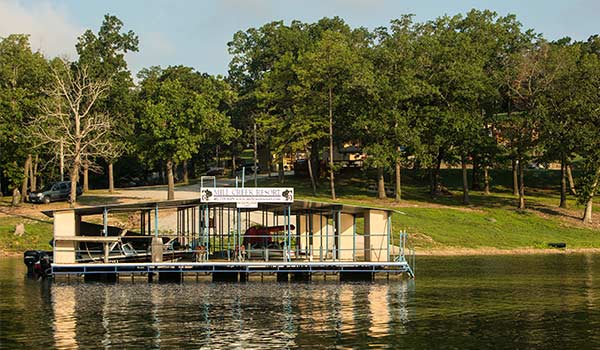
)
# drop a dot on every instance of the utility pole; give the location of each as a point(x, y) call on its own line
point(62, 162)
point(255, 159)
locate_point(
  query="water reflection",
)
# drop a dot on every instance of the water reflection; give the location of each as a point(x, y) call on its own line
point(244, 316)
point(65, 323)
point(589, 280)
point(472, 303)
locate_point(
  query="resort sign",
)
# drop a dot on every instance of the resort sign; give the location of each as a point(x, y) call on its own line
point(247, 197)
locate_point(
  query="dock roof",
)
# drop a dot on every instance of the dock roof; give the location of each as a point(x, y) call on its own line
point(297, 207)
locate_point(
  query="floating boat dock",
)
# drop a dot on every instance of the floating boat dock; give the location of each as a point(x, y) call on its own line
point(225, 236)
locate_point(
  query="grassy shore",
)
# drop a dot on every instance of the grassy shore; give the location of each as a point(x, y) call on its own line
point(38, 233)
point(490, 224)
point(440, 225)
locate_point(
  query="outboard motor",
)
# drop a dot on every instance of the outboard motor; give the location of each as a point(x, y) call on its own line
point(38, 262)
point(30, 257)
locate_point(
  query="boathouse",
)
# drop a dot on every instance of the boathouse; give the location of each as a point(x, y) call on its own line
point(225, 236)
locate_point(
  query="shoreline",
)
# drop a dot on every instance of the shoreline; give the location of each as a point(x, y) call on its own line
point(451, 252)
point(498, 251)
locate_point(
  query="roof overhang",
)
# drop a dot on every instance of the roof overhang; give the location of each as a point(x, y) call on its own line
point(298, 207)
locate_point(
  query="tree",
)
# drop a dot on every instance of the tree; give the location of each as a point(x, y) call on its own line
point(174, 121)
point(329, 73)
point(291, 124)
point(387, 123)
point(531, 75)
point(23, 75)
point(588, 121)
point(453, 69)
point(561, 103)
point(104, 55)
point(69, 119)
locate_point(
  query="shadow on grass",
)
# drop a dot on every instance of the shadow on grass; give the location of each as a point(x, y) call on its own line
point(91, 200)
point(555, 212)
point(25, 216)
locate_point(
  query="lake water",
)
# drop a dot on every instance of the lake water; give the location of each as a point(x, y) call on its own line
point(510, 302)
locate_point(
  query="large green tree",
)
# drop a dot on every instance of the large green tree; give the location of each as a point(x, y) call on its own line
point(23, 78)
point(175, 120)
point(587, 119)
point(387, 128)
point(330, 73)
point(104, 54)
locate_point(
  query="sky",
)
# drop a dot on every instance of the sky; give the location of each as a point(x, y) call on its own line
point(195, 33)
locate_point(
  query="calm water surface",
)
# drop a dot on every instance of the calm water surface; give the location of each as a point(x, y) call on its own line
point(456, 302)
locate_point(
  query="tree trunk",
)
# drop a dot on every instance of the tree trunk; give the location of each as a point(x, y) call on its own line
point(34, 173)
point(310, 170)
point(563, 183)
point(436, 185)
point(16, 197)
point(570, 177)
point(186, 176)
point(486, 180)
point(380, 184)
point(25, 178)
point(74, 176)
point(521, 185)
point(62, 161)
point(30, 175)
point(431, 182)
point(587, 214)
point(218, 156)
point(331, 176)
point(315, 161)
point(515, 178)
point(280, 172)
point(170, 180)
point(398, 179)
point(475, 176)
point(111, 178)
point(76, 161)
point(233, 163)
point(192, 168)
point(86, 170)
point(465, 178)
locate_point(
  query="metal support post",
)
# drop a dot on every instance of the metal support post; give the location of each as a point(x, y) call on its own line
point(105, 221)
point(289, 231)
point(238, 234)
point(353, 237)
point(205, 236)
point(337, 238)
point(156, 221)
point(327, 235)
point(389, 231)
point(321, 237)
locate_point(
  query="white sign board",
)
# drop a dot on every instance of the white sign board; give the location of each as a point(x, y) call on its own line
point(247, 195)
point(251, 205)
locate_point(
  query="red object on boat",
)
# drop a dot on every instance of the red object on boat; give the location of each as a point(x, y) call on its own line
point(261, 236)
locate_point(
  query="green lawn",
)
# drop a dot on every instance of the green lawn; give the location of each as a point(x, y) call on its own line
point(37, 234)
point(490, 221)
point(498, 228)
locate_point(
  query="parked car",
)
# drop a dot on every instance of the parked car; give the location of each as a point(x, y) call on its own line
point(214, 171)
point(129, 181)
point(249, 169)
point(54, 191)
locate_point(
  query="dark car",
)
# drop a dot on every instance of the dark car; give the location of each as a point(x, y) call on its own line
point(214, 171)
point(248, 168)
point(52, 192)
